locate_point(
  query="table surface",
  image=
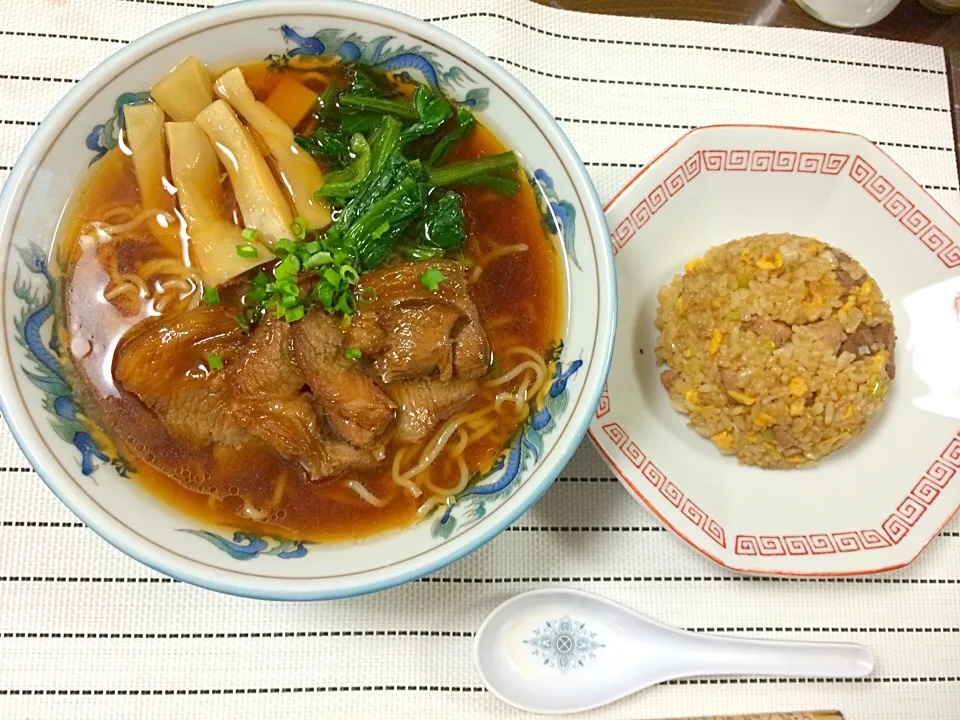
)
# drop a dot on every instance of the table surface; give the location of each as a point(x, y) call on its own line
point(910, 21)
point(86, 632)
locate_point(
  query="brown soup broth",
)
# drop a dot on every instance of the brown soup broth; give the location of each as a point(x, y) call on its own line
point(518, 296)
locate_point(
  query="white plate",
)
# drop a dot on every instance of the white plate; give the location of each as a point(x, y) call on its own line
point(875, 504)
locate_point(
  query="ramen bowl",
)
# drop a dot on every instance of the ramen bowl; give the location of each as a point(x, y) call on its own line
point(74, 457)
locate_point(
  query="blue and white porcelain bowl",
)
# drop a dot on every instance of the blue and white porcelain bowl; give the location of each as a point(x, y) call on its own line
point(50, 425)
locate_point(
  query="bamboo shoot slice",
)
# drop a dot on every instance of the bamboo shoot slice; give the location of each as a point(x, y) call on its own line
point(213, 240)
point(260, 199)
point(298, 172)
point(185, 91)
point(143, 130)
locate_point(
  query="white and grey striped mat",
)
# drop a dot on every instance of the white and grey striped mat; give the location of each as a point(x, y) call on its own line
point(87, 633)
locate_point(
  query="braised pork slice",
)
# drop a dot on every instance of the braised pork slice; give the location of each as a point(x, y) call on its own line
point(777, 332)
point(829, 332)
point(424, 404)
point(265, 367)
point(866, 339)
point(471, 351)
point(163, 363)
point(400, 285)
point(357, 408)
point(418, 341)
point(291, 427)
point(365, 333)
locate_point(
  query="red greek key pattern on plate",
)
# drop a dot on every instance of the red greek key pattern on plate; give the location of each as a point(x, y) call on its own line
point(861, 170)
point(715, 532)
point(915, 221)
point(822, 545)
point(950, 256)
point(848, 541)
point(693, 513)
point(894, 529)
point(873, 539)
point(811, 162)
point(603, 407)
point(925, 491)
point(717, 161)
point(895, 202)
point(911, 509)
point(797, 544)
point(785, 161)
point(834, 163)
point(898, 205)
point(633, 453)
point(879, 187)
point(672, 493)
point(616, 433)
point(653, 475)
point(952, 454)
point(659, 481)
point(940, 472)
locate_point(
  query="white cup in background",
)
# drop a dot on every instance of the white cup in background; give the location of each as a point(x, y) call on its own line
point(849, 13)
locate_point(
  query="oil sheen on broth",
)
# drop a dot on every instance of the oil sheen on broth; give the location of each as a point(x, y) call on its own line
point(121, 278)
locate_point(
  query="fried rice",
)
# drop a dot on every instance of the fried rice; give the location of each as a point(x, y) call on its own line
point(779, 348)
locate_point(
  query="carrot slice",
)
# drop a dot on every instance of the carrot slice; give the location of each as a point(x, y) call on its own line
point(291, 101)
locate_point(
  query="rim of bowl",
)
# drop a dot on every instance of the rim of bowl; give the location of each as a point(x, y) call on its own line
point(160, 558)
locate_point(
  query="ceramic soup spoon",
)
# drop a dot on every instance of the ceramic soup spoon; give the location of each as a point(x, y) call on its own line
point(562, 651)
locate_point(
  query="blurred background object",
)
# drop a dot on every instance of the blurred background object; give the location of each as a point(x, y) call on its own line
point(946, 7)
point(849, 13)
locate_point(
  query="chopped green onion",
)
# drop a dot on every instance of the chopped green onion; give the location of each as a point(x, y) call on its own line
point(249, 234)
point(242, 321)
point(349, 275)
point(332, 277)
point(284, 246)
point(299, 227)
point(367, 295)
point(261, 279)
point(294, 314)
point(346, 304)
point(246, 251)
point(432, 278)
point(288, 301)
point(311, 247)
point(324, 294)
point(211, 296)
point(377, 232)
point(316, 260)
point(287, 269)
point(215, 362)
point(287, 286)
point(353, 353)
